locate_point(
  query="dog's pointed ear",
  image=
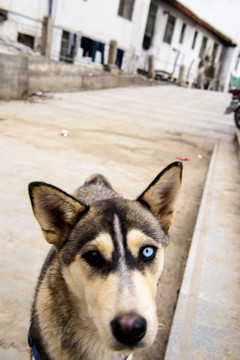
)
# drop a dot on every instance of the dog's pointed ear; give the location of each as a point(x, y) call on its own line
point(161, 195)
point(56, 211)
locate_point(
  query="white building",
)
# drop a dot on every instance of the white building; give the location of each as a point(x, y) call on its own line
point(178, 38)
point(80, 31)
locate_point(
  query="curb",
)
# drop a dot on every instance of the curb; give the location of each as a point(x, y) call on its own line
point(179, 342)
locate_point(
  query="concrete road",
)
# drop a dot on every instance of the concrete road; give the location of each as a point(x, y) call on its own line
point(129, 135)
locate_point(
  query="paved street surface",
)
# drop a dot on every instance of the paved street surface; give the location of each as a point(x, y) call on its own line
point(127, 134)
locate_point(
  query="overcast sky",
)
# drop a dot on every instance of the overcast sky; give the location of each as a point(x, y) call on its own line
point(222, 14)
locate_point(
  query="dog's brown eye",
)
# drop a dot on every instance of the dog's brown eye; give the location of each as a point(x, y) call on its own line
point(94, 258)
point(147, 253)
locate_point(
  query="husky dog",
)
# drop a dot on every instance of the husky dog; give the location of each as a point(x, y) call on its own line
point(95, 297)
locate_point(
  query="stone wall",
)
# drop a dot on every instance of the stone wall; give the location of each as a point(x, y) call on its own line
point(13, 76)
point(46, 75)
point(21, 76)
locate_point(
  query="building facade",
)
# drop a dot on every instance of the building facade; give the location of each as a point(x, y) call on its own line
point(79, 31)
point(185, 45)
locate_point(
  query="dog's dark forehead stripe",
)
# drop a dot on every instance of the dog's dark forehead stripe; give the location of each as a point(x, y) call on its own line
point(132, 215)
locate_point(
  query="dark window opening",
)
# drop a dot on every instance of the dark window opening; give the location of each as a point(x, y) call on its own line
point(148, 35)
point(126, 9)
point(25, 39)
point(194, 39)
point(182, 33)
point(203, 46)
point(169, 29)
point(214, 52)
point(237, 63)
point(64, 46)
point(69, 45)
point(3, 15)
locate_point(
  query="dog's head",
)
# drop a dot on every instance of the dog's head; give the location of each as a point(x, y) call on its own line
point(112, 254)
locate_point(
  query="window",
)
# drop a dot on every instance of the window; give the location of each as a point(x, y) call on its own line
point(64, 46)
point(194, 39)
point(182, 33)
point(25, 39)
point(203, 46)
point(150, 27)
point(68, 47)
point(3, 15)
point(214, 52)
point(169, 29)
point(237, 63)
point(126, 9)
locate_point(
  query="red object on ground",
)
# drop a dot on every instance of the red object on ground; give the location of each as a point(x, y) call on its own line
point(183, 158)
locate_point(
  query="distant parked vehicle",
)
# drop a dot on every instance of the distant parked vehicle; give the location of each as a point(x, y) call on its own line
point(235, 106)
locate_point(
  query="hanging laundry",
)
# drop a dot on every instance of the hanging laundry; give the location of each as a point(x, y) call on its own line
point(87, 46)
point(120, 54)
point(98, 46)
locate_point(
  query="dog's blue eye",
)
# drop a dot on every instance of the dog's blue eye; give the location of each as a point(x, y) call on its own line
point(148, 253)
point(94, 258)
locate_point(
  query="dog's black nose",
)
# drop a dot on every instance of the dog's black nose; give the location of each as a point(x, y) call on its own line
point(129, 328)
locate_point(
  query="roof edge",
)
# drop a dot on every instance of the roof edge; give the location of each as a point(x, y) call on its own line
point(189, 13)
